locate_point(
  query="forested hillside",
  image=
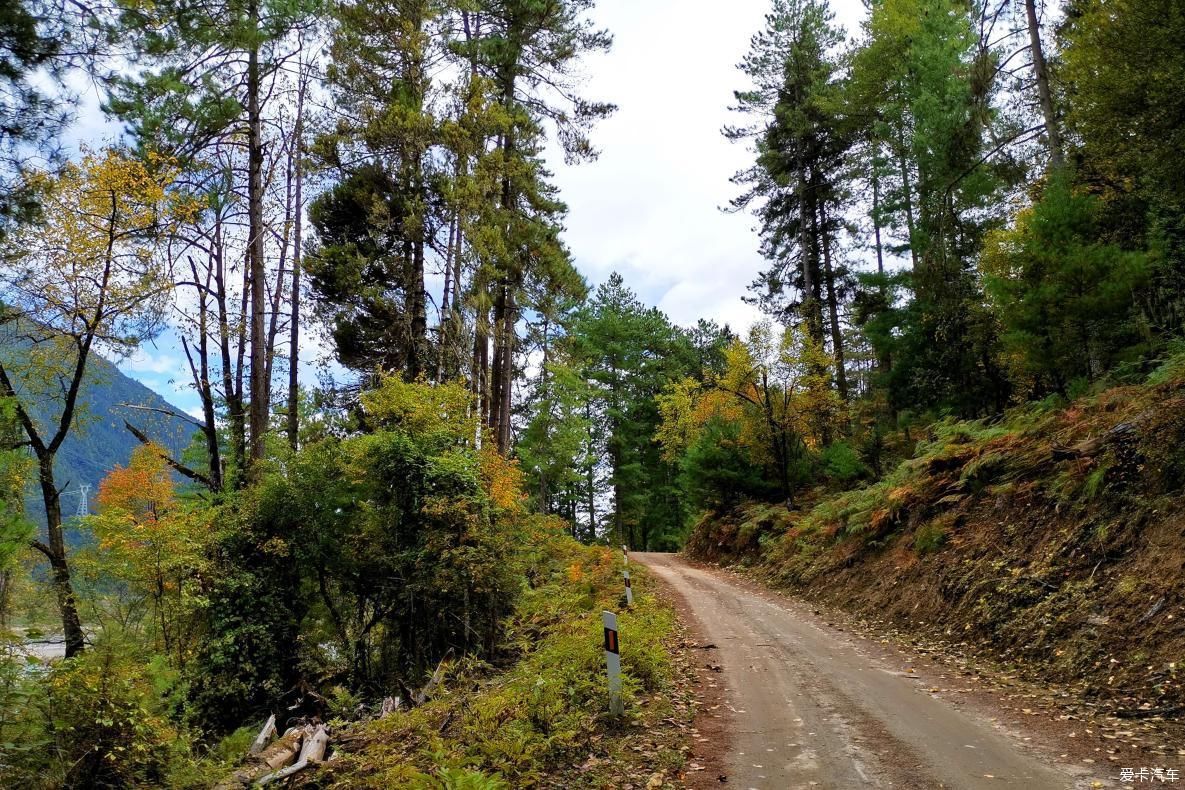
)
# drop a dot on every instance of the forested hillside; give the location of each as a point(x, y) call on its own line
point(968, 319)
point(101, 441)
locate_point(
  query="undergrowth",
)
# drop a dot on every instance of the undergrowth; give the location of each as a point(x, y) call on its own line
point(545, 715)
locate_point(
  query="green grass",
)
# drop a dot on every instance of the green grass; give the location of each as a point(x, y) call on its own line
point(547, 713)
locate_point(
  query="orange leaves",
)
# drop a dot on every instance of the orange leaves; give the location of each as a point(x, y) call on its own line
point(503, 479)
point(141, 492)
point(880, 520)
point(900, 495)
point(575, 572)
point(149, 539)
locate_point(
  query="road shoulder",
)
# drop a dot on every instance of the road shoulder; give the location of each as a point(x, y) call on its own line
point(711, 738)
point(1049, 721)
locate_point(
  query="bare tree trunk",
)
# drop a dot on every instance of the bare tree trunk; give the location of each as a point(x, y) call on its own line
point(259, 383)
point(1041, 74)
point(504, 329)
point(277, 294)
point(876, 212)
point(481, 363)
point(446, 322)
point(419, 307)
point(907, 192)
point(231, 382)
point(806, 248)
point(59, 569)
point(592, 478)
point(841, 379)
point(298, 240)
point(495, 381)
point(55, 551)
point(201, 375)
point(457, 272)
point(506, 373)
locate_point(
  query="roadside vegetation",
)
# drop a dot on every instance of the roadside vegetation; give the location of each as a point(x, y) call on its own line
point(543, 721)
point(960, 407)
point(1046, 541)
point(499, 606)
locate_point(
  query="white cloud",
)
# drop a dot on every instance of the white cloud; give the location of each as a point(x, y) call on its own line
point(649, 207)
point(144, 361)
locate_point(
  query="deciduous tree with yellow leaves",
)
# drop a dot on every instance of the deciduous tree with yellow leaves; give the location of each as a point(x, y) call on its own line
point(772, 402)
point(84, 279)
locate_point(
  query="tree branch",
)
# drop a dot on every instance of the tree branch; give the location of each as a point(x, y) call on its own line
point(176, 465)
point(41, 547)
point(169, 412)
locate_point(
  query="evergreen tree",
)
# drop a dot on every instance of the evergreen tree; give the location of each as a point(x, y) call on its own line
point(359, 271)
point(1066, 300)
point(628, 354)
point(36, 36)
point(386, 130)
point(795, 186)
point(924, 81)
point(1123, 78)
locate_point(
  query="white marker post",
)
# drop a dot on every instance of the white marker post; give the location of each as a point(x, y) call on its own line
point(613, 663)
point(629, 591)
point(625, 554)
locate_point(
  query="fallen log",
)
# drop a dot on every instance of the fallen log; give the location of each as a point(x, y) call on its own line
point(274, 757)
point(284, 750)
point(265, 736)
point(313, 752)
point(1089, 448)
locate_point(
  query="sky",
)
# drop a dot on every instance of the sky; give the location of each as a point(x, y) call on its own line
point(649, 206)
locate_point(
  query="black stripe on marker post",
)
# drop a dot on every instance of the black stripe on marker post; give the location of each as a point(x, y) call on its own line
point(611, 641)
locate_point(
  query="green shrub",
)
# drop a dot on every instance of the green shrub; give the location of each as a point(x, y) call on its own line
point(929, 537)
point(464, 779)
point(842, 463)
point(107, 721)
point(549, 709)
point(1173, 367)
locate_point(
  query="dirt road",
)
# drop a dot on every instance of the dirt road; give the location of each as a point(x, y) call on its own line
point(812, 706)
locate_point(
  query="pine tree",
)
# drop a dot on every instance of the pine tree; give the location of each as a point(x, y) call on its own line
point(33, 110)
point(796, 186)
point(1123, 76)
point(923, 82)
point(1066, 299)
point(628, 354)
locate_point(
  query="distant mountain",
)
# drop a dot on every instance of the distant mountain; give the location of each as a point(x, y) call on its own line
point(99, 441)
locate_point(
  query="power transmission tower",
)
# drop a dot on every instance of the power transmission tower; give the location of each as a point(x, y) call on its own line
point(83, 499)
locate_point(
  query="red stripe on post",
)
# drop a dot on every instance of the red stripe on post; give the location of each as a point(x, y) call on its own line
point(610, 641)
